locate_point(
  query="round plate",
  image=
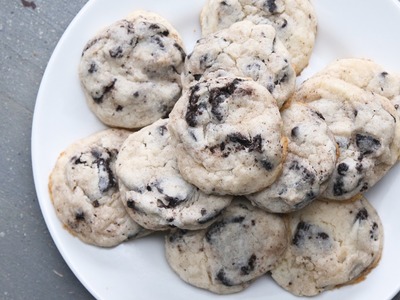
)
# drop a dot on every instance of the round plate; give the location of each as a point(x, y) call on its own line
point(138, 269)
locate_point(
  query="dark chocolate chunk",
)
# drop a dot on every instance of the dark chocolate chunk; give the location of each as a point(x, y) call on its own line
point(106, 176)
point(205, 61)
point(80, 216)
point(193, 107)
point(301, 228)
point(158, 41)
point(197, 77)
point(251, 144)
point(221, 276)
point(99, 98)
point(284, 23)
point(116, 52)
point(309, 232)
point(119, 108)
point(130, 204)
point(267, 165)
point(180, 49)
point(169, 202)
point(294, 132)
point(322, 235)
point(362, 214)
point(342, 169)
point(319, 115)
point(367, 144)
point(27, 3)
point(374, 234)
point(246, 270)
point(95, 203)
point(162, 130)
point(364, 187)
point(338, 187)
point(92, 68)
point(214, 229)
point(238, 219)
point(270, 5)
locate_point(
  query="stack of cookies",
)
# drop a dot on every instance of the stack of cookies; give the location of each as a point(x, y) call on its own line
point(245, 172)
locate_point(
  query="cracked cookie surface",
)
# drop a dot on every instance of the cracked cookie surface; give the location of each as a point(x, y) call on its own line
point(228, 133)
point(242, 245)
point(310, 162)
point(152, 189)
point(294, 20)
point(130, 71)
point(368, 75)
point(366, 128)
point(243, 50)
point(84, 190)
point(331, 244)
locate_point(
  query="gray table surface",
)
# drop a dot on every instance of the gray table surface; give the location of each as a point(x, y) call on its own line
point(30, 265)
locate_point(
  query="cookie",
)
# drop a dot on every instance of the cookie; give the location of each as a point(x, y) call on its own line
point(332, 244)
point(243, 50)
point(367, 75)
point(225, 258)
point(84, 190)
point(153, 191)
point(294, 20)
point(130, 71)
point(311, 159)
point(228, 135)
point(366, 128)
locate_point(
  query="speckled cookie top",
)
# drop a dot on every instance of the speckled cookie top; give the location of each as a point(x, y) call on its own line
point(154, 192)
point(294, 20)
point(84, 191)
point(130, 71)
point(228, 133)
point(366, 128)
point(241, 246)
point(331, 244)
point(243, 50)
point(367, 75)
point(311, 159)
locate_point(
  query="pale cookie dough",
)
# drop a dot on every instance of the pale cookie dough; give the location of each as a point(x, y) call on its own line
point(225, 258)
point(84, 191)
point(154, 193)
point(367, 75)
point(311, 159)
point(366, 128)
point(294, 20)
point(229, 136)
point(243, 50)
point(332, 244)
point(130, 71)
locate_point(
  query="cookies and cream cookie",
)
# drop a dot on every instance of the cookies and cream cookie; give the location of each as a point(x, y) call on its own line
point(331, 244)
point(366, 128)
point(153, 191)
point(84, 191)
point(130, 71)
point(311, 159)
point(241, 246)
point(367, 75)
point(294, 20)
point(228, 133)
point(243, 50)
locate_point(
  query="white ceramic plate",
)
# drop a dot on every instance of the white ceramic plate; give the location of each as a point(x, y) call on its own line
point(138, 269)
